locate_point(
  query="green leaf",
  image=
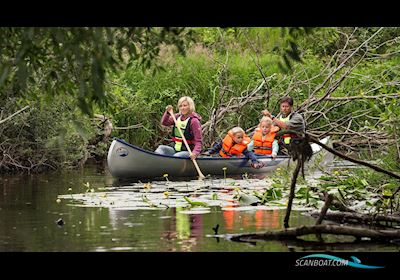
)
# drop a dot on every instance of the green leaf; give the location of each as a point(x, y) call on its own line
point(195, 203)
point(390, 186)
point(364, 182)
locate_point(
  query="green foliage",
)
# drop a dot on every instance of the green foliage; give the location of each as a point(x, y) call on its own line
point(269, 195)
point(74, 61)
point(375, 189)
point(44, 138)
point(345, 186)
point(306, 196)
point(195, 203)
point(136, 97)
point(110, 71)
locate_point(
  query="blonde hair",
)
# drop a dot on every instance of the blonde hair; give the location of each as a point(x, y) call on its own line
point(189, 101)
point(265, 119)
point(236, 130)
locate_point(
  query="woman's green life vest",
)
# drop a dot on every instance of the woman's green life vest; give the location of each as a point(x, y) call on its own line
point(286, 137)
point(182, 125)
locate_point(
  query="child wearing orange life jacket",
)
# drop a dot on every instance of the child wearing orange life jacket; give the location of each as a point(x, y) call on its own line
point(263, 140)
point(235, 144)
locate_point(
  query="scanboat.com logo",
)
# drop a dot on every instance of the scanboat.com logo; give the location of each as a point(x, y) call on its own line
point(328, 260)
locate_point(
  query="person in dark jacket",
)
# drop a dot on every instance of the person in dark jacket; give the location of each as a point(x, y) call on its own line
point(287, 119)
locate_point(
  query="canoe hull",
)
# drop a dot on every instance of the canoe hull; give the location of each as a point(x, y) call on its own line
point(128, 161)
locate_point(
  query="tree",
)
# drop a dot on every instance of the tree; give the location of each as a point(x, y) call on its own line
point(75, 60)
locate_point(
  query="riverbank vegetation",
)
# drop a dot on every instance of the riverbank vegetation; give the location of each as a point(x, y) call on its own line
point(66, 92)
point(345, 84)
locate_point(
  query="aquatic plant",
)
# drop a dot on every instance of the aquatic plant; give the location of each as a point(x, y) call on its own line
point(166, 177)
point(195, 203)
point(224, 169)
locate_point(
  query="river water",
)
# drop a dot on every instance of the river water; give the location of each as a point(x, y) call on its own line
point(30, 207)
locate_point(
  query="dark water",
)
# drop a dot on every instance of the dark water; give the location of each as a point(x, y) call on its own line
point(29, 211)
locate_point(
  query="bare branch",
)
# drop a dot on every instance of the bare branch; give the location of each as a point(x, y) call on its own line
point(16, 113)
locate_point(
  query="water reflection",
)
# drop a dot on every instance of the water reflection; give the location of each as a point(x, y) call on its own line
point(28, 211)
point(175, 232)
point(259, 219)
point(188, 229)
point(184, 229)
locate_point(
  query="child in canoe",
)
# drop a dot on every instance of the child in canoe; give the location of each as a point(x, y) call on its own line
point(263, 141)
point(235, 144)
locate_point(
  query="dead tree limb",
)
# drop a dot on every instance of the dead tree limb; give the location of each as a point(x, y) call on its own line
point(357, 217)
point(293, 233)
point(292, 191)
point(374, 167)
point(16, 113)
point(328, 201)
point(337, 204)
point(312, 100)
point(394, 95)
point(259, 67)
point(234, 104)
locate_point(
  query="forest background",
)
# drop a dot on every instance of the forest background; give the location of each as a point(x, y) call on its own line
point(63, 89)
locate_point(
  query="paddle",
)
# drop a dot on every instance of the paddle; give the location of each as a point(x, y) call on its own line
point(201, 176)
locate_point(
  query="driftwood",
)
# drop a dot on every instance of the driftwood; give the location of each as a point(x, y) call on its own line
point(233, 105)
point(293, 233)
point(357, 217)
point(337, 204)
point(328, 201)
point(291, 195)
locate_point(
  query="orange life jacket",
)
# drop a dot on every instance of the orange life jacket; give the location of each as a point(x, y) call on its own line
point(261, 146)
point(230, 148)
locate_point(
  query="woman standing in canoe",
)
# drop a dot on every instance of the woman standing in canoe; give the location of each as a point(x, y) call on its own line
point(189, 122)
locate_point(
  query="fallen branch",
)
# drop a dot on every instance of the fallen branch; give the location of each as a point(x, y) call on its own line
point(328, 201)
point(292, 233)
point(292, 191)
point(394, 95)
point(357, 217)
point(312, 100)
point(139, 125)
point(16, 113)
point(338, 204)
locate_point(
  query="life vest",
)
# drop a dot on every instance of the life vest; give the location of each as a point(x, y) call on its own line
point(185, 128)
point(261, 146)
point(230, 148)
point(286, 137)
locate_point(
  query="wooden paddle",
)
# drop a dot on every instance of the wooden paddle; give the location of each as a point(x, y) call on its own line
point(201, 176)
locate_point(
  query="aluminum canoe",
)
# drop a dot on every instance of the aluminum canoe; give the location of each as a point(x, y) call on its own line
point(127, 161)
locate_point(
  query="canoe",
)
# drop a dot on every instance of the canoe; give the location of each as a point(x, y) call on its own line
point(126, 161)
